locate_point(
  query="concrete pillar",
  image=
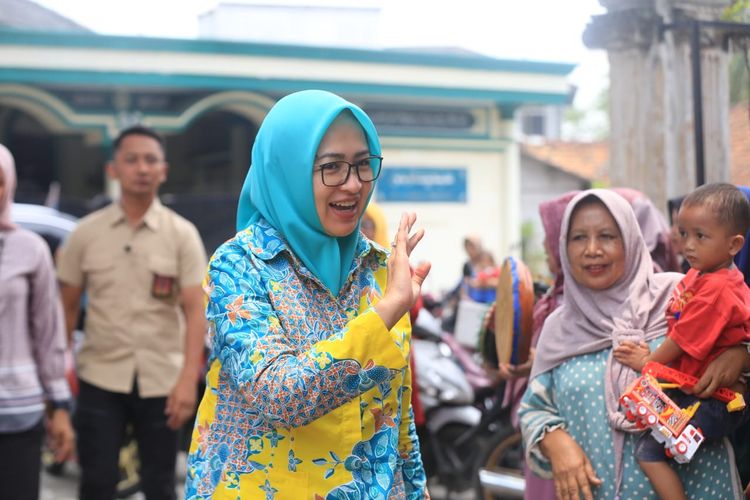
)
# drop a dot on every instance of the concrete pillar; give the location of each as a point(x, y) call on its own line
point(509, 243)
point(651, 106)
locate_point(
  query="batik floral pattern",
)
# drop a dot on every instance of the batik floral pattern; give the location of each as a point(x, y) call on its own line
point(308, 395)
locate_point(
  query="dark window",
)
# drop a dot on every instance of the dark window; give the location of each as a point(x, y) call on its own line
point(533, 125)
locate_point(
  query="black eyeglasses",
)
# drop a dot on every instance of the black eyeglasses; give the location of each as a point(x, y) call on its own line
point(336, 173)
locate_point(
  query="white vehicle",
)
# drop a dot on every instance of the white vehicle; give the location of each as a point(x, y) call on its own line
point(51, 224)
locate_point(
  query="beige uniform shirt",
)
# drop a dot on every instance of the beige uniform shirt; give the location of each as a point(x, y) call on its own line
point(132, 280)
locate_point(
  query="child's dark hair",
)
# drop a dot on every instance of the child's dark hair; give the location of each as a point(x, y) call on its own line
point(729, 204)
point(139, 130)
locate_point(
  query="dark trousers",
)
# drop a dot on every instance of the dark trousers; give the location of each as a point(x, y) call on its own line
point(100, 420)
point(20, 461)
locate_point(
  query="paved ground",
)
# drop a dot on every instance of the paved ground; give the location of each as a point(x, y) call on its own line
point(65, 487)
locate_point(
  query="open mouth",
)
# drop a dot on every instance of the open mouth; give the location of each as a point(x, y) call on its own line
point(596, 269)
point(344, 207)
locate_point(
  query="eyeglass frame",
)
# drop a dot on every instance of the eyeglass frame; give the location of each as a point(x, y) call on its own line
point(349, 170)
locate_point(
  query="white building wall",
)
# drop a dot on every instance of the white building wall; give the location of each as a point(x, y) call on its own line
point(446, 224)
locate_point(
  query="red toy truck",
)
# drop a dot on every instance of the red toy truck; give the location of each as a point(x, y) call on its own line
point(649, 407)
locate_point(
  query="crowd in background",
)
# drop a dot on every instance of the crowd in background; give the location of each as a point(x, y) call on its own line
point(306, 316)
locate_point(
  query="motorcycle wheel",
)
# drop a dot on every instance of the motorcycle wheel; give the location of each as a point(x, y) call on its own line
point(460, 458)
point(502, 454)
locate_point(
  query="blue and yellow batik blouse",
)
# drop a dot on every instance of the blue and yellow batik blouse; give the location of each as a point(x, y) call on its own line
point(308, 395)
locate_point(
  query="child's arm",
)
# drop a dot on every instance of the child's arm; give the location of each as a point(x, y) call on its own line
point(636, 356)
point(667, 352)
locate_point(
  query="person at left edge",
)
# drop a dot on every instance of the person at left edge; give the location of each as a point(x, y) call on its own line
point(309, 387)
point(141, 266)
point(32, 352)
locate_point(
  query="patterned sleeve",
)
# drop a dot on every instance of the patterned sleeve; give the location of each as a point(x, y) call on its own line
point(415, 480)
point(286, 385)
point(538, 415)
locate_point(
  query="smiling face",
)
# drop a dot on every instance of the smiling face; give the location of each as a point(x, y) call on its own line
point(706, 243)
point(595, 248)
point(339, 208)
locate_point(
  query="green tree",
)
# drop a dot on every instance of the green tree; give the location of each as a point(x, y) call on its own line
point(739, 66)
point(578, 119)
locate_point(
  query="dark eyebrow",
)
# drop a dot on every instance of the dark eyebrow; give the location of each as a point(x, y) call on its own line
point(341, 156)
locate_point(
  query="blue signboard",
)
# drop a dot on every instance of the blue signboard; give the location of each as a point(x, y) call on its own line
point(422, 184)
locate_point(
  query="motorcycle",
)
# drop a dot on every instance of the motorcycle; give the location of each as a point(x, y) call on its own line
point(461, 405)
point(493, 461)
point(500, 462)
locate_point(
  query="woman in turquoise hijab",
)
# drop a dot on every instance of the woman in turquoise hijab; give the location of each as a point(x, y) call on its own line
point(308, 390)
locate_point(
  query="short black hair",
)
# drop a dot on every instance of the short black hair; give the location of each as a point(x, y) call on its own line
point(730, 205)
point(673, 206)
point(139, 130)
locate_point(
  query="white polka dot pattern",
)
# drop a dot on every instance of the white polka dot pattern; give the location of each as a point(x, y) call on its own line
point(573, 395)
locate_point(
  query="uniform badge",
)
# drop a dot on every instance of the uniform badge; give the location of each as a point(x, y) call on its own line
point(162, 286)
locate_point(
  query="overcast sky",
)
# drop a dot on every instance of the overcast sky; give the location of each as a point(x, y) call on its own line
point(543, 30)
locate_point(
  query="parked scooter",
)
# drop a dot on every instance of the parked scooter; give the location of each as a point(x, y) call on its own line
point(460, 403)
point(499, 465)
point(447, 400)
point(499, 475)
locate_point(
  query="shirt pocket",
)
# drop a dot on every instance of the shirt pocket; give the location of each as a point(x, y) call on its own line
point(100, 275)
point(164, 282)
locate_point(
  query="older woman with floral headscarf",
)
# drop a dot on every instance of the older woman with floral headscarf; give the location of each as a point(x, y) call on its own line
point(32, 351)
point(309, 384)
point(572, 426)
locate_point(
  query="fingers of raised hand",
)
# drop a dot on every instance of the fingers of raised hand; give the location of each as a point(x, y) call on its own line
point(403, 240)
point(409, 219)
point(420, 274)
point(413, 240)
point(401, 234)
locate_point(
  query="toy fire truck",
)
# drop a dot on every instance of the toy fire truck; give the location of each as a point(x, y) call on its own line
point(649, 407)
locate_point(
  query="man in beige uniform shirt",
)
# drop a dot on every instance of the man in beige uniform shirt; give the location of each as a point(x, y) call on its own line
point(141, 266)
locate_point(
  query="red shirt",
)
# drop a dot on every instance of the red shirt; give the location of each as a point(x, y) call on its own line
point(707, 314)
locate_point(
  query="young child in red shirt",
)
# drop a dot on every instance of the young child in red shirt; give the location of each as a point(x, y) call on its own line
point(708, 313)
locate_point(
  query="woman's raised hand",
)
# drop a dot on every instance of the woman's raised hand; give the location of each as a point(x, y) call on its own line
point(404, 286)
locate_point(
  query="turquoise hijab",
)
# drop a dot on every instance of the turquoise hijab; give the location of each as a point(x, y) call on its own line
point(279, 184)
